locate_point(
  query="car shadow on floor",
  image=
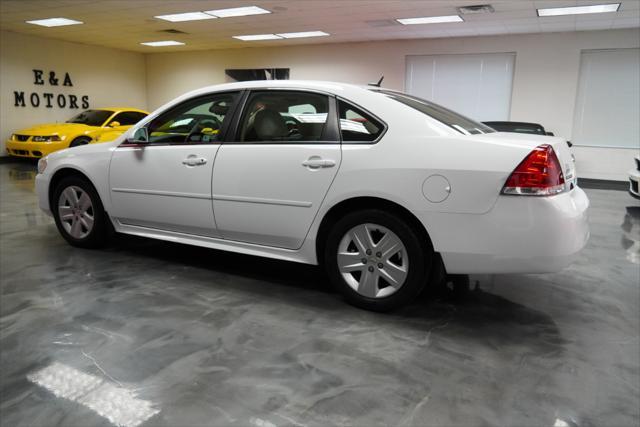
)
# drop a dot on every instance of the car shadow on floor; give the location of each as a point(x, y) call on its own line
point(476, 314)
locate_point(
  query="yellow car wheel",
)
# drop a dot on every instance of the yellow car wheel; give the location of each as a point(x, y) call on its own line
point(81, 140)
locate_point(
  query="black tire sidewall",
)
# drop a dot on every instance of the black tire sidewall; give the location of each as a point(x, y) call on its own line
point(98, 235)
point(419, 252)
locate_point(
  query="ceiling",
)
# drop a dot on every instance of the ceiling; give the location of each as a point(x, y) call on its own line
point(124, 24)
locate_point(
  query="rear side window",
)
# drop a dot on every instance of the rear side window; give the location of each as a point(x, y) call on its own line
point(356, 125)
point(285, 117)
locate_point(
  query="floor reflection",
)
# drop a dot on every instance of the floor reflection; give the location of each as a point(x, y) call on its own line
point(22, 174)
point(213, 338)
point(631, 233)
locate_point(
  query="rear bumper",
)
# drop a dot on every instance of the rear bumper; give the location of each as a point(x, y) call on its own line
point(518, 235)
point(34, 150)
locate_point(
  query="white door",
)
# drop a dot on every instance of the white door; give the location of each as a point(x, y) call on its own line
point(163, 181)
point(269, 182)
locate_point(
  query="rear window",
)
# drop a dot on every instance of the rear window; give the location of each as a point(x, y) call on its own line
point(516, 127)
point(450, 118)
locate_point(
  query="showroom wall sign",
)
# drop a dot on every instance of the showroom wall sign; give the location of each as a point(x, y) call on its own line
point(50, 99)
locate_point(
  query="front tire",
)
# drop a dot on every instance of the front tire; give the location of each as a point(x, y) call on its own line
point(377, 260)
point(79, 214)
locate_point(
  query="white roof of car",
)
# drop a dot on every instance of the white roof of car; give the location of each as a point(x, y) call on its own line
point(344, 89)
point(331, 87)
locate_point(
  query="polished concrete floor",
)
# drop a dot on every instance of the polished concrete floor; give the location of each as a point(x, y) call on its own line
point(157, 334)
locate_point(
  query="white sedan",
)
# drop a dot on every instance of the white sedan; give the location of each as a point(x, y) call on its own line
point(378, 186)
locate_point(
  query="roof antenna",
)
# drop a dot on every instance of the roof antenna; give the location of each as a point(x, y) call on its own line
point(379, 82)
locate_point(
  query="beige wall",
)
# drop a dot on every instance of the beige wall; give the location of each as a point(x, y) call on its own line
point(108, 77)
point(544, 86)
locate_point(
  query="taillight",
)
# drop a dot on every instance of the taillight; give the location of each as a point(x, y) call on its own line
point(539, 174)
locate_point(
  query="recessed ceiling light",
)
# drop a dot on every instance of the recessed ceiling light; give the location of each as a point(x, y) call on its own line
point(255, 37)
point(237, 11)
point(430, 20)
point(188, 16)
point(303, 34)
point(579, 10)
point(54, 22)
point(163, 43)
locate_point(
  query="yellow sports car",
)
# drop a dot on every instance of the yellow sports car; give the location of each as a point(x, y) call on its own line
point(90, 126)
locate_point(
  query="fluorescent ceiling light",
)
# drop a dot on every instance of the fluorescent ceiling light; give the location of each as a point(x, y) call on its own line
point(303, 34)
point(237, 11)
point(255, 37)
point(430, 20)
point(163, 43)
point(188, 16)
point(579, 10)
point(54, 22)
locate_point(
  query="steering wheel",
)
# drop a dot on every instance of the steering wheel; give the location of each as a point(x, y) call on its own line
point(203, 123)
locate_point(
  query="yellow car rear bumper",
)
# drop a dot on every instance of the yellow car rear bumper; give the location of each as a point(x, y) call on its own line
point(34, 150)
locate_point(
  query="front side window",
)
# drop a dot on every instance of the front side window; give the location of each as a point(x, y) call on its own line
point(284, 117)
point(197, 121)
point(91, 117)
point(450, 118)
point(128, 118)
point(356, 125)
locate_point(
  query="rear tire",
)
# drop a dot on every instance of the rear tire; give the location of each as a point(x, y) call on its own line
point(79, 214)
point(81, 140)
point(376, 260)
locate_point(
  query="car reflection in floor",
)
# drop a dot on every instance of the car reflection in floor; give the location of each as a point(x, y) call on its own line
point(631, 233)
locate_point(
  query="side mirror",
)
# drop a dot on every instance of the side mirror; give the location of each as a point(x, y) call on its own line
point(114, 124)
point(549, 133)
point(140, 136)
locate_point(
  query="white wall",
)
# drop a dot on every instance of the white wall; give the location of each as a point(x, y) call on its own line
point(108, 77)
point(544, 85)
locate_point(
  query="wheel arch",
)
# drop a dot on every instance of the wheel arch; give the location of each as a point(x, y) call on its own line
point(360, 203)
point(62, 173)
point(84, 135)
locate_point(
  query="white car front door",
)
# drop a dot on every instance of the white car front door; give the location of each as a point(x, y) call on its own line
point(162, 179)
point(269, 182)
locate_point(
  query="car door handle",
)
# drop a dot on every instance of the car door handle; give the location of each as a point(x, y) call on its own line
point(316, 162)
point(194, 161)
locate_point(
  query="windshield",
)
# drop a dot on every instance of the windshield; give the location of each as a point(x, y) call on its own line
point(91, 117)
point(450, 118)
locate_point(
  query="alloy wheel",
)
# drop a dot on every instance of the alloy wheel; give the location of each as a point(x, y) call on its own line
point(75, 211)
point(373, 260)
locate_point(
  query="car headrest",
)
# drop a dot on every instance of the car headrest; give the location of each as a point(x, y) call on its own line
point(219, 109)
point(269, 125)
